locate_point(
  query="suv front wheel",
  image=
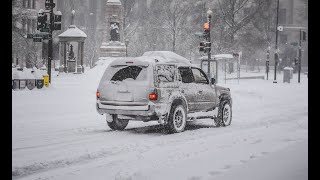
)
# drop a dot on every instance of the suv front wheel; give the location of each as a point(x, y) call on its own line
point(224, 114)
point(117, 124)
point(177, 119)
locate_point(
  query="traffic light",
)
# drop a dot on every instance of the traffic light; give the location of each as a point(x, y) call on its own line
point(207, 47)
point(48, 5)
point(42, 20)
point(295, 61)
point(57, 21)
point(268, 54)
point(201, 47)
point(206, 27)
point(304, 36)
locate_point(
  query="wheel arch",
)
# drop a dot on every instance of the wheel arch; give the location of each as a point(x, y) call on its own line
point(178, 100)
point(225, 97)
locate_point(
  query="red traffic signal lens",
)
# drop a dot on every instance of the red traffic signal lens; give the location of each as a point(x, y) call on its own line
point(206, 26)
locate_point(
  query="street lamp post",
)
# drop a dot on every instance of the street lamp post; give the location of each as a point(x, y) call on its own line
point(209, 15)
point(126, 42)
point(299, 62)
point(276, 56)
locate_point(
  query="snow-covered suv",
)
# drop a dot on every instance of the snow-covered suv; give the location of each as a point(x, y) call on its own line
point(161, 86)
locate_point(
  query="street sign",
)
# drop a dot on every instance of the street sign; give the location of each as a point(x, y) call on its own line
point(37, 39)
point(29, 36)
point(44, 30)
point(43, 35)
point(294, 43)
point(280, 28)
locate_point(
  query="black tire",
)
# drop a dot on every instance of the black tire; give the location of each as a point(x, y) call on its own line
point(117, 124)
point(224, 114)
point(177, 119)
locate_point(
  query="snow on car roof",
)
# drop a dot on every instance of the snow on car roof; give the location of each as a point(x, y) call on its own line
point(152, 57)
point(166, 57)
point(218, 57)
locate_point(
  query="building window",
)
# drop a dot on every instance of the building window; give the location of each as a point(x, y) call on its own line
point(282, 16)
point(33, 4)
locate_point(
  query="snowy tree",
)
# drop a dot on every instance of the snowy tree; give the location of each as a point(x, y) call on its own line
point(24, 49)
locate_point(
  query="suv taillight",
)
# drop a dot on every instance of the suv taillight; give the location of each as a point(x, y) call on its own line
point(97, 94)
point(153, 96)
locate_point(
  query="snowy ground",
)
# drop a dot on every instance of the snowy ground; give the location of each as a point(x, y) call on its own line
point(57, 134)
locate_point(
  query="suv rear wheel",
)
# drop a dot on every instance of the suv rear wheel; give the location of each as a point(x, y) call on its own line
point(117, 124)
point(177, 119)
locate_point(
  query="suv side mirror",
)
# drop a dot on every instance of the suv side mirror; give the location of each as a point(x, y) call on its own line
point(213, 80)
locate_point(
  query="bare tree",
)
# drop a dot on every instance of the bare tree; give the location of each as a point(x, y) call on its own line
point(236, 14)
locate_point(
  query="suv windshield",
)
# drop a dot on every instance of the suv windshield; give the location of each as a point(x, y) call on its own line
point(130, 72)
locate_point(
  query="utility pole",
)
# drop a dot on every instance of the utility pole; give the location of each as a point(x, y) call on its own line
point(276, 56)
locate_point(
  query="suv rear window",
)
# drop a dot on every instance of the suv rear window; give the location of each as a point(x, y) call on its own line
point(130, 72)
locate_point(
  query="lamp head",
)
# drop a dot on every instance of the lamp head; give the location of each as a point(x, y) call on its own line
point(209, 13)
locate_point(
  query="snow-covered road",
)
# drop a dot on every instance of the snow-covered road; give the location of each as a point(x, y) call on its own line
point(57, 134)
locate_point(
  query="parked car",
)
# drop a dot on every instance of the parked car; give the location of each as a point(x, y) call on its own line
point(168, 90)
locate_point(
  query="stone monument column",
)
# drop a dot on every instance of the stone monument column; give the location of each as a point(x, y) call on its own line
point(113, 44)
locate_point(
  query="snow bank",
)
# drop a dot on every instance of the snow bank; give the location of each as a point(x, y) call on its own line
point(28, 73)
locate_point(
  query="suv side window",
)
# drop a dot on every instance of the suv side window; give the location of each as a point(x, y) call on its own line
point(186, 75)
point(199, 76)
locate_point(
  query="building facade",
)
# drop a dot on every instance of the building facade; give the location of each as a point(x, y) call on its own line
point(293, 16)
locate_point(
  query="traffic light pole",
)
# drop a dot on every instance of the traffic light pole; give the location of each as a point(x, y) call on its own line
point(299, 67)
point(50, 40)
point(276, 56)
point(209, 52)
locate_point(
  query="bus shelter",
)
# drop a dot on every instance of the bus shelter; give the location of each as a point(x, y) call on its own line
point(221, 67)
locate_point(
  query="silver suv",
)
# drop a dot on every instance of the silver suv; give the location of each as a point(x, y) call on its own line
point(168, 90)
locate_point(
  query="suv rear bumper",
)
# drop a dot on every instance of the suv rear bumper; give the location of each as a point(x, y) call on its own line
point(126, 108)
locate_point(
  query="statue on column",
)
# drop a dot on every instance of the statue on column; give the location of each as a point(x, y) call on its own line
point(114, 32)
point(71, 53)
